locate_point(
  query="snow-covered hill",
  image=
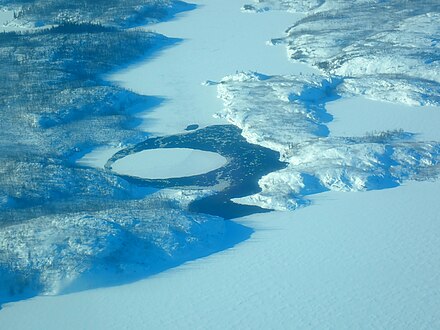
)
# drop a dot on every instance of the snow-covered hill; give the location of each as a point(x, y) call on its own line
point(70, 251)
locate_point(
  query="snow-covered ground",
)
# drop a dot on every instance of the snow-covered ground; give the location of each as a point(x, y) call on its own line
point(296, 126)
point(365, 260)
point(5, 17)
point(351, 260)
point(168, 163)
point(232, 42)
point(357, 116)
point(98, 156)
point(217, 40)
point(77, 251)
point(210, 49)
point(8, 23)
point(387, 50)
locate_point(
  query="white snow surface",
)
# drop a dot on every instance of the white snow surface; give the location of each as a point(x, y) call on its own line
point(10, 24)
point(217, 40)
point(358, 260)
point(99, 156)
point(356, 116)
point(58, 253)
point(6, 16)
point(386, 50)
point(366, 260)
point(288, 114)
point(168, 163)
point(7, 21)
point(293, 6)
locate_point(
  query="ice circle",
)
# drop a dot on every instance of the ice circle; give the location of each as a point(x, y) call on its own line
point(167, 163)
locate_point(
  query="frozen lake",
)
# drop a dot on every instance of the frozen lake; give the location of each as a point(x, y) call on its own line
point(168, 163)
point(232, 169)
point(349, 260)
point(217, 40)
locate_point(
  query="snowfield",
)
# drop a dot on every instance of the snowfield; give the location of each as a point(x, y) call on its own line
point(362, 254)
point(207, 51)
point(386, 50)
point(288, 114)
point(374, 264)
point(8, 23)
point(99, 156)
point(77, 251)
point(356, 116)
point(168, 163)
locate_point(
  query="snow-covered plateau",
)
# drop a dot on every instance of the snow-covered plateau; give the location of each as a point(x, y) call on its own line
point(118, 164)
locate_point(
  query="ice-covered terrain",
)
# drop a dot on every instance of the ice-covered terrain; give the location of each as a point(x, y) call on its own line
point(131, 12)
point(242, 163)
point(351, 260)
point(59, 220)
point(359, 260)
point(292, 6)
point(386, 50)
point(207, 53)
point(10, 23)
point(168, 163)
point(68, 252)
point(288, 114)
point(51, 87)
point(350, 118)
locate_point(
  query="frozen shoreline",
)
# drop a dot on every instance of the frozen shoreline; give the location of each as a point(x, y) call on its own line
point(209, 51)
point(357, 116)
point(351, 259)
point(209, 47)
point(325, 265)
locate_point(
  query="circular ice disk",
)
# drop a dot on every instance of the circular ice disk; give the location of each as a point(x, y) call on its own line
point(168, 163)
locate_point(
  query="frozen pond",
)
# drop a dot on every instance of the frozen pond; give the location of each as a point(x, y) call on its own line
point(232, 170)
point(168, 163)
